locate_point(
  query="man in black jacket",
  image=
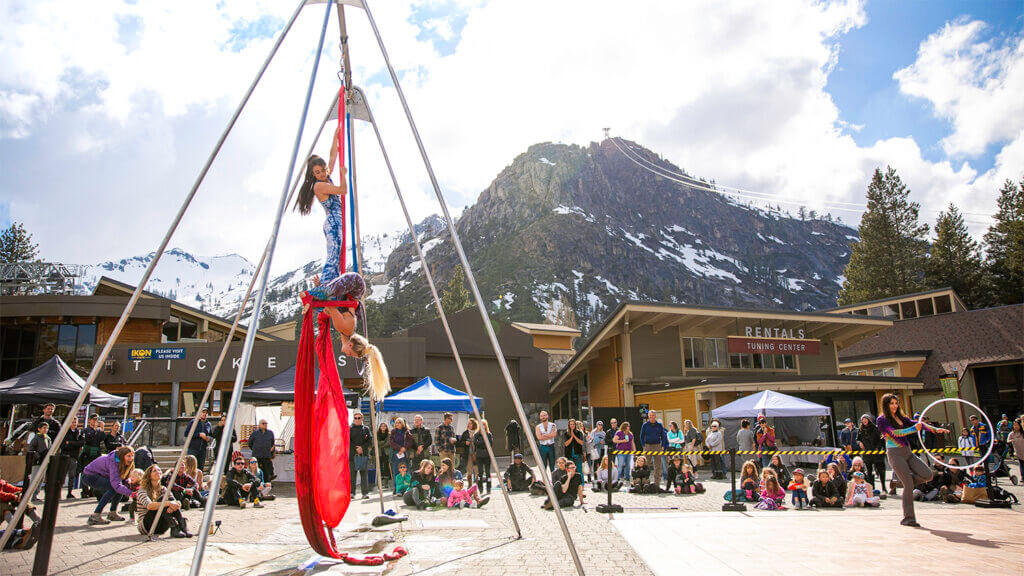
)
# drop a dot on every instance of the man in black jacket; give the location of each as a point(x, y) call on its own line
point(513, 440)
point(518, 476)
point(218, 435)
point(359, 442)
point(71, 448)
point(200, 439)
point(93, 449)
point(869, 438)
point(54, 425)
point(261, 442)
point(421, 442)
point(241, 486)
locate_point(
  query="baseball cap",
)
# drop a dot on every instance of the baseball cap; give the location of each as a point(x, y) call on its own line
point(974, 416)
point(847, 421)
point(858, 474)
point(599, 422)
point(799, 471)
point(519, 456)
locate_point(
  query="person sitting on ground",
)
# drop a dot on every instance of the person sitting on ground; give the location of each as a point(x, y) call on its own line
point(255, 470)
point(518, 476)
point(939, 486)
point(839, 459)
point(402, 479)
point(106, 476)
point(21, 539)
point(749, 481)
point(675, 469)
point(838, 480)
point(798, 487)
point(823, 492)
point(185, 489)
point(781, 472)
point(773, 497)
point(559, 472)
point(567, 489)
point(203, 483)
point(860, 493)
point(766, 473)
point(446, 477)
point(10, 496)
point(601, 479)
point(641, 478)
point(460, 496)
point(241, 486)
point(147, 501)
point(978, 478)
point(687, 481)
point(114, 439)
point(423, 490)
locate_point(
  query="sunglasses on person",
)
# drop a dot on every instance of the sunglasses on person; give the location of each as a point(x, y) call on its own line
point(239, 462)
point(357, 417)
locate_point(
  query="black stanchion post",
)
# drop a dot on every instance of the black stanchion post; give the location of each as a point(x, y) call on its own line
point(732, 505)
point(608, 508)
point(55, 473)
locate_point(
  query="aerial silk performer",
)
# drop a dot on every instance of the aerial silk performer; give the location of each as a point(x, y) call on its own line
point(321, 418)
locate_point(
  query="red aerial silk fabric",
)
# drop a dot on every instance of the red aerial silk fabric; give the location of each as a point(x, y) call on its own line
point(321, 434)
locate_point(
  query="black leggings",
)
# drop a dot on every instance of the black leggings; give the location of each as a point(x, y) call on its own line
point(875, 468)
point(167, 520)
point(819, 501)
point(233, 493)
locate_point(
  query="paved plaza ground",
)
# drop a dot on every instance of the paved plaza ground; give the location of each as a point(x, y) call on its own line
point(663, 534)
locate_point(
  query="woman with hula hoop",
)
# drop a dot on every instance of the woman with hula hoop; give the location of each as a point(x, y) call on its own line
point(895, 426)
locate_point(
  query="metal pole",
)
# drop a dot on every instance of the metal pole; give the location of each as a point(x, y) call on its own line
point(250, 336)
point(102, 358)
point(476, 294)
point(441, 312)
point(229, 337)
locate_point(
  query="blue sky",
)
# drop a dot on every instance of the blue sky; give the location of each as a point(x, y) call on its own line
point(796, 99)
point(862, 84)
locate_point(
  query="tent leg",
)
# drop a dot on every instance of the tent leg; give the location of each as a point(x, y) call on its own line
point(376, 453)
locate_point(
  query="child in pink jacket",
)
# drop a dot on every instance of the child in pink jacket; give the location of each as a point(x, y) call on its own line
point(459, 496)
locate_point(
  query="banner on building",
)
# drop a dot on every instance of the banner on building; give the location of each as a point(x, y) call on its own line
point(157, 354)
point(950, 386)
point(796, 346)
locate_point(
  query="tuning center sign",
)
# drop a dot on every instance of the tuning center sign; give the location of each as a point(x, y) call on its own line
point(769, 341)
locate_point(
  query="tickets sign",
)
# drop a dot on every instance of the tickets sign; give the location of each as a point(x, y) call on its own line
point(795, 346)
point(157, 353)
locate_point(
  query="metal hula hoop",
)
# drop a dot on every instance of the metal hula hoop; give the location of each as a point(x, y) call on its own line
point(991, 441)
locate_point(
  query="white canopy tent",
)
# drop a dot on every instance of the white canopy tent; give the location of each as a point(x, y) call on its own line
point(795, 420)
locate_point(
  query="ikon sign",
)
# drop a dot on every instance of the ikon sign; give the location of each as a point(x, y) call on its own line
point(741, 345)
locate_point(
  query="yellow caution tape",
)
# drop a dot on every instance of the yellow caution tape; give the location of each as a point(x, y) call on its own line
point(784, 452)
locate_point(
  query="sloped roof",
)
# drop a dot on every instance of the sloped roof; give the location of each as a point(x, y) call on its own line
point(955, 340)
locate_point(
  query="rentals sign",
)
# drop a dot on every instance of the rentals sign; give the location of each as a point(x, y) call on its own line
point(767, 344)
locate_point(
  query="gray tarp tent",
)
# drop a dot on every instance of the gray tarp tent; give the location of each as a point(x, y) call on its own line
point(53, 381)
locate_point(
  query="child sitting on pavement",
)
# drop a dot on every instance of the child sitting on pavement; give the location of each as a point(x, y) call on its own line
point(641, 478)
point(689, 484)
point(402, 480)
point(749, 481)
point(773, 497)
point(798, 486)
point(823, 492)
point(860, 493)
point(459, 496)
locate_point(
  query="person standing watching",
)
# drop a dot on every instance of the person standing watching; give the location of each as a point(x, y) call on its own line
point(359, 443)
point(218, 435)
point(200, 439)
point(51, 422)
point(765, 440)
point(513, 442)
point(546, 433)
point(261, 442)
point(74, 440)
point(446, 438)
point(745, 437)
point(115, 439)
point(421, 441)
point(870, 439)
point(93, 448)
point(848, 435)
point(574, 444)
point(654, 438)
point(981, 434)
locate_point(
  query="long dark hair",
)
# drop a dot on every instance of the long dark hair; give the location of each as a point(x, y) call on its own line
point(305, 200)
point(894, 418)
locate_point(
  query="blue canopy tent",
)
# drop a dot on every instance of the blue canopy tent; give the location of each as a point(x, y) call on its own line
point(429, 395)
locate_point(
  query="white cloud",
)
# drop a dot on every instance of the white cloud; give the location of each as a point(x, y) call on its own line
point(115, 110)
point(976, 84)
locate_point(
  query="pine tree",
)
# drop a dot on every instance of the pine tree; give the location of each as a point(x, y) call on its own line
point(955, 259)
point(455, 297)
point(16, 245)
point(890, 257)
point(1005, 246)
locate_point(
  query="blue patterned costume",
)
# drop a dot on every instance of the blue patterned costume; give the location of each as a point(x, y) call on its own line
point(334, 283)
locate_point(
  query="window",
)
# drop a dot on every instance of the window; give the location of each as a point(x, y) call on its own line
point(861, 312)
point(716, 353)
point(875, 311)
point(694, 352)
point(883, 372)
point(47, 342)
point(67, 340)
point(18, 344)
point(924, 306)
point(188, 330)
point(909, 310)
point(740, 361)
point(942, 304)
point(785, 362)
point(170, 330)
point(190, 403)
point(890, 311)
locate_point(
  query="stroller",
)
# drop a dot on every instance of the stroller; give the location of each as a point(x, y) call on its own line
point(998, 462)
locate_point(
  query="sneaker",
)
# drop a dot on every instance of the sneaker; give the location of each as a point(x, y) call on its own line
point(366, 496)
point(114, 516)
point(481, 502)
point(241, 503)
point(943, 493)
point(257, 504)
point(97, 520)
point(70, 496)
point(910, 522)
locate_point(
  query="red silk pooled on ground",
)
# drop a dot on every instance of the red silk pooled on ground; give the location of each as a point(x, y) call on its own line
point(321, 435)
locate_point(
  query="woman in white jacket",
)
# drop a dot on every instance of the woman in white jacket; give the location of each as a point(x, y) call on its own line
point(715, 441)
